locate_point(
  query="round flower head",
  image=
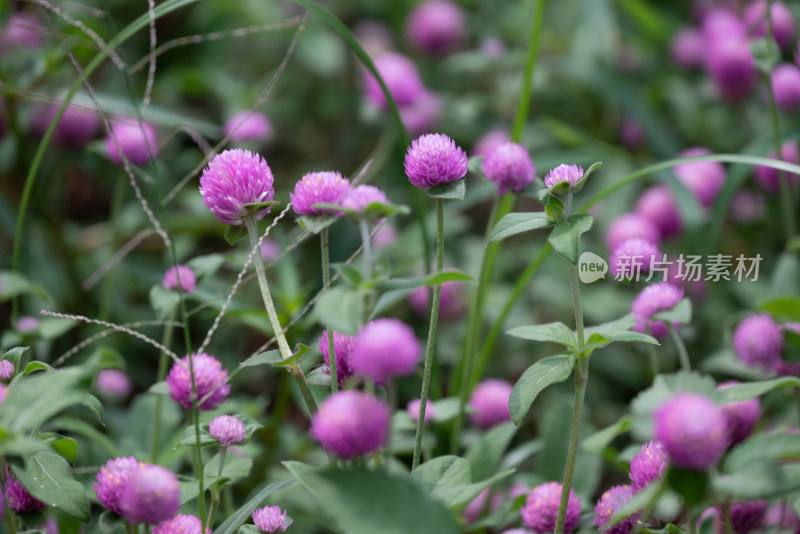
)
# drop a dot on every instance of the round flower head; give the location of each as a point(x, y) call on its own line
point(740, 417)
point(6, 370)
point(658, 205)
point(271, 519)
point(151, 495)
point(571, 174)
point(630, 226)
point(784, 26)
point(342, 348)
point(22, 30)
point(703, 178)
point(413, 410)
point(517, 531)
point(476, 506)
point(385, 349)
point(235, 178)
point(401, 77)
point(188, 282)
point(611, 501)
point(747, 206)
point(209, 378)
point(722, 24)
point(746, 517)
point(433, 160)
point(137, 142)
point(452, 304)
point(227, 430)
point(351, 423)
point(732, 68)
point(318, 187)
point(510, 167)
point(688, 48)
point(786, 86)
point(248, 126)
point(435, 26)
point(652, 300)
point(27, 324)
point(632, 257)
point(649, 465)
point(111, 480)
point(114, 383)
point(18, 498)
point(361, 196)
point(541, 508)
point(180, 524)
point(76, 127)
point(270, 249)
point(490, 141)
point(693, 431)
point(421, 115)
point(489, 402)
point(758, 341)
point(768, 178)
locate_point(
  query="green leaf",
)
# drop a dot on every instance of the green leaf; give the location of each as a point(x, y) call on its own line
point(691, 485)
point(597, 442)
point(16, 284)
point(759, 479)
point(108, 358)
point(598, 341)
point(454, 497)
point(763, 447)
point(442, 472)
point(484, 455)
point(751, 390)
point(35, 366)
point(537, 377)
point(451, 191)
point(248, 529)
point(766, 53)
point(554, 208)
point(641, 500)
point(92, 402)
point(163, 301)
point(786, 308)
point(517, 223)
point(47, 477)
point(81, 427)
point(256, 207)
point(66, 447)
point(586, 174)
point(667, 385)
point(433, 279)
point(206, 265)
point(446, 409)
point(235, 233)
point(110, 523)
point(53, 327)
point(550, 332)
point(189, 438)
point(351, 275)
point(341, 309)
point(235, 520)
point(300, 350)
point(159, 388)
point(269, 357)
point(566, 236)
point(681, 313)
point(318, 377)
point(235, 469)
point(316, 224)
point(15, 355)
point(378, 210)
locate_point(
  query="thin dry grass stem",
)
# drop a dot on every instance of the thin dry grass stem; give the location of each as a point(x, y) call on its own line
point(151, 71)
point(118, 256)
point(88, 10)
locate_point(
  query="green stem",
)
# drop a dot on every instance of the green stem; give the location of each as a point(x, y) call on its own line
point(437, 290)
point(367, 267)
point(201, 496)
point(326, 283)
point(726, 513)
point(283, 345)
point(215, 493)
point(679, 346)
point(163, 360)
point(653, 360)
point(116, 205)
point(530, 68)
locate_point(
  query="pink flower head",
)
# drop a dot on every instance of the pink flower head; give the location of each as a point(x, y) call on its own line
point(611, 501)
point(652, 300)
point(786, 86)
point(658, 205)
point(422, 114)
point(235, 178)
point(318, 187)
point(351, 423)
point(492, 47)
point(741, 417)
point(732, 68)
point(76, 127)
point(630, 226)
point(385, 349)
point(452, 303)
point(413, 410)
point(342, 349)
point(489, 402)
point(433, 160)
point(23, 30)
point(692, 429)
point(188, 282)
point(18, 498)
point(746, 517)
point(541, 508)
point(784, 27)
point(476, 506)
point(7, 370)
point(768, 178)
point(703, 178)
point(114, 383)
point(688, 48)
point(271, 519)
point(360, 197)
point(649, 465)
point(27, 324)
point(111, 480)
point(572, 174)
point(632, 257)
point(490, 141)
point(181, 524)
point(248, 126)
point(758, 341)
point(151, 495)
point(227, 430)
point(435, 26)
point(510, 167)
point(137, 142)
point(747, 206)
point(517, 531)
point(723, 24)
point(209, 379)
point(401, 77)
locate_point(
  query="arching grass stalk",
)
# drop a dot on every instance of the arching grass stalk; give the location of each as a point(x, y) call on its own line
point(326, 284)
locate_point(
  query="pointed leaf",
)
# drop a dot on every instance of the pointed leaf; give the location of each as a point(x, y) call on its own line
point(93, 403)
point(340, 308)
point(681, 313)
point(550, 332)
point(451, 191)
point(235, 233)
point(163, 301)
point(15, 355)
point(316, 224)
point(442, 472)
point(318, 377)
point(430, 280)
point(517, 223)
point(263, 358)
point(484, 456)
point(752, 390)
point(537, 377)
point(47, 476)
point(597, 442)
point(566, 236)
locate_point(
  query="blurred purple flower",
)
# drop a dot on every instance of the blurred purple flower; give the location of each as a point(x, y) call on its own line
point(137, 142)
point(114, 383)
point(541, 508)
point(151, 495)
point(510, 167)
point(385, 349)
point(436, 26)
point(489, 403)
point(188, 282)
point(351, 423)
point(209, 379)
point(692, 429)
point(248, 126)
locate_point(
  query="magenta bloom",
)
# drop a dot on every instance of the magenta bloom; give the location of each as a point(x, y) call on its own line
point(137, 142)
point(758, 341)
point(786, 86)
point(652, 300)
point(318, 187)
point(6, 370)
point(413, 410)
point(248, 126)
point(630, 226)
point(723, 24)
point(452, 303)
point(435, 26)
point(27, 324)
point(180, 524)
point(658, 205)
point(151, 495)
point(747, 206)
point(703, 178)
point(114, 383)
point(688, 48)
point(76, 127)
point(732, 68)
point(740, 417)
point(633, 257)
point(693, 431)
point(489, 401)
point(572, 174)
point(421, 115)
point(23, 30)
point(433, 160)
point(517, 531)
point(746, 516)
point(360, 197)
point(112, 479)
point(227, 430)
point(385, 349)
point(351, 423)
point(188, 282)
point(342, 348)
point(271, 519)
point(401, 77)
point(784, 26)
point(209, 378)
point(768, 178)
point(235, 178)
point(18, 498)
point(510, 167)
point(611, 501)
point(490, 141)
point(541, 508)
point(649, 465)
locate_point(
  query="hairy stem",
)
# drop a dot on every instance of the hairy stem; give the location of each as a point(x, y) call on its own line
point(326, 284)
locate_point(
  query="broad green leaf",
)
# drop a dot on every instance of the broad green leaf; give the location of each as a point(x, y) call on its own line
point(235, 469)
point(82, 428)
point(66, 447)
point(442, 472)
point(597, 442)
point(318, 377)
point(235, 520)
point(108, 358)
point(15, 355)
point(206, 265)
point(758, 479)
point(751, 390)
point(485, 454)
point(163, 301)
point(446, 409)
point(763, 447)
point(566, 236)
point(35, 366)
point(787, 308)
point(623, 324)
point(451, 191)
point(256, 207)
point(454, 497)
point(554, 208)
point(16, 284)
point(316, 224)
point(537, 377)
point(378, 210)
point(681, 313)
point(53, 327)
point(550, 332)
point(189, 437)
point(93, 403)
point(47, 476)
point(598, 341)
point(341, 308)
point(351, 275)
point(235, 233)
point(262, 358)
point(517, 223)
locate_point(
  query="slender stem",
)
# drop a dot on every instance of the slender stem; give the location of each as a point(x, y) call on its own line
point(530, 68)
point(437, 290)
point(679, 346)
point(215, 492)
point(163, 360)
point(651, 349)
point(116, 205)
point(201, 496)
point(326, 283)
point(576, 303)
point(367, 267)
point(726, 512)
point(391, 399)
point(283, 345)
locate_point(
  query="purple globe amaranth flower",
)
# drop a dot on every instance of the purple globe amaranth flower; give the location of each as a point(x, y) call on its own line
point(703, 178)
point(541, 508)
point(490, 141)
point(435, 26)
point(227, 430)
point(489, 403)
point(23, 30)
point(319, 187)
point(188, 282)
point(688, 48)
point(7, 370)
point(648, 466)
point(137, 142)
point(271, 519)
point(611, 501)
point(235, 178)
point(248, 126)
point(658, 204)
point(571, 174)
point(784, 27)
point(360, 197)
point(452, 303)
point(786, 86)
point(722, 24)
point(630, 226)
point(76, 127)
point(768, 178)
point(270, 249)
point(351, 423)
point(17, 497)
point(510, 167)
point(517, 531)
point(401, 77)
point(112, 479)
point(652, 300)
point(114, 383)
point(476, 506)
point(758, 341)
point(633, 257)
point(209, 379)
point(413, 410)
point(747, 206)
point(740, 417)
point(385, 349)
point(693, 431)
point(151, 495)
point(746, 516)
point(732, 68)
point(422, 114)
point(27, 324)
point(181, 524)
point(433, 160)
point(342, 349)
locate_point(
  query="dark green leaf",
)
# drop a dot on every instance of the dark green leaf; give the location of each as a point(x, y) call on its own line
point(235, 233)
point(349, 273)
point(751, 390)
point(598, 341)
point(451, 191)
point(554, 208)
point(454, 497)
point(433, 279)
point(341, 309)
point(691, 485)
point(537, 377)
point(263, 358)
point(35, 366)
point(110, 523)
point(786, 308)
point(517, 223)
point(15, 355)
point(66, 447)
point(681, 313)
point(566, 236)
point(442, 472)
point(234, 521)
point(235, 469)
point(378, 210)
point(484, 455)
point(47, 476)
point(256, 207)
point(16, 284)
point(550, 332)
point(597, 442)
point(92, 402)
point(586, 174)
point(189, 437)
